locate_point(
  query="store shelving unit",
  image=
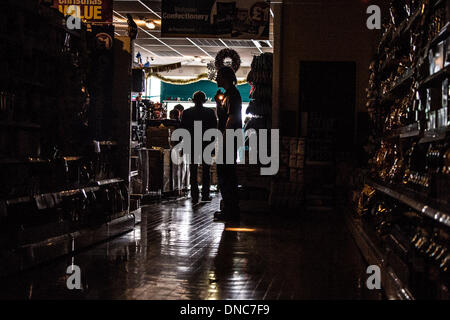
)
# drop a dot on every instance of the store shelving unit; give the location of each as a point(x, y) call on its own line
point(62, 188)
point(393, 287)
point(404, 221)
point(410, 199)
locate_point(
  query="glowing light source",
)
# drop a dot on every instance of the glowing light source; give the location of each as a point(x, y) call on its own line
point(240, 229)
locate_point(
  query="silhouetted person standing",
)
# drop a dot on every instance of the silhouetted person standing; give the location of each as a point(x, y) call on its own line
point(209, 121)
point(229, 107)
point(174, 115)
point(180, 109)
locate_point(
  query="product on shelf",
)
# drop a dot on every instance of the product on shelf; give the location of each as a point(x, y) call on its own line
point(57, 178)
point(158, 137)
point(405, 204)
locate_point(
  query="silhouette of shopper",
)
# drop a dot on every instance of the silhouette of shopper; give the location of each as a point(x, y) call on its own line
point(229, 106)
point(209, 121)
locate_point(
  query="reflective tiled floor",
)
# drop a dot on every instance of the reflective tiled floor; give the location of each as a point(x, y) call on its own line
point(178, 252)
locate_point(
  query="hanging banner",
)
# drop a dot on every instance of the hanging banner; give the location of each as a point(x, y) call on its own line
point(230, 19)
point(91, 11)
point(163, 68)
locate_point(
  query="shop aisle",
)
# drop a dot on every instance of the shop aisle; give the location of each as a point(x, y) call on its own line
point(178, 252)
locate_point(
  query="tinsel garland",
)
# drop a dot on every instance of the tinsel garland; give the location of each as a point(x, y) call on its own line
point(187, 81)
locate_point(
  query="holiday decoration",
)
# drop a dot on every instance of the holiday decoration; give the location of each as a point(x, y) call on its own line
point(260, 78)
point(228, 53)
point(162, 68)
point(188, 81)
point(139, 58)
point(212, 72)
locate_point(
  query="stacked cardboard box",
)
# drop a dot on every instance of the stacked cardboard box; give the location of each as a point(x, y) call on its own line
point(287, 187)
point(156, 169)
point(292, 159)
point(158, 137)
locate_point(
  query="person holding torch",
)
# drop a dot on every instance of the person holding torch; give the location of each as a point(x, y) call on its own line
point(229, 106)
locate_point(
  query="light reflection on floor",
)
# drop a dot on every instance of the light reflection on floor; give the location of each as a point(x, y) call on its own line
point(178, 252)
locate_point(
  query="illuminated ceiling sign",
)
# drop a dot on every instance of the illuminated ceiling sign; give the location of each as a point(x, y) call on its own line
point(91, 11)
point(232, 19)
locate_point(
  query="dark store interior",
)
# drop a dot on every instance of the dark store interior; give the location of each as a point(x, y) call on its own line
point(337, 185)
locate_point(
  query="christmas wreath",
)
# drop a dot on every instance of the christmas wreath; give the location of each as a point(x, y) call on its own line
point(228, 53)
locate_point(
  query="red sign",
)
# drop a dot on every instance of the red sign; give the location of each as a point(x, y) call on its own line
point(92, 11)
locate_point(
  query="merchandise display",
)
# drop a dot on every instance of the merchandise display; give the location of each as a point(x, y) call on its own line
point(287, 188)
point(318, 133)
point(153, 175)
point(260, 80)
point(59, 167)
point(405, 204)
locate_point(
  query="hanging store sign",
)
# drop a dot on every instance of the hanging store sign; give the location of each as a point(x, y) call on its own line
point(163, 68)
point(91, 11)
point(231, 19)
